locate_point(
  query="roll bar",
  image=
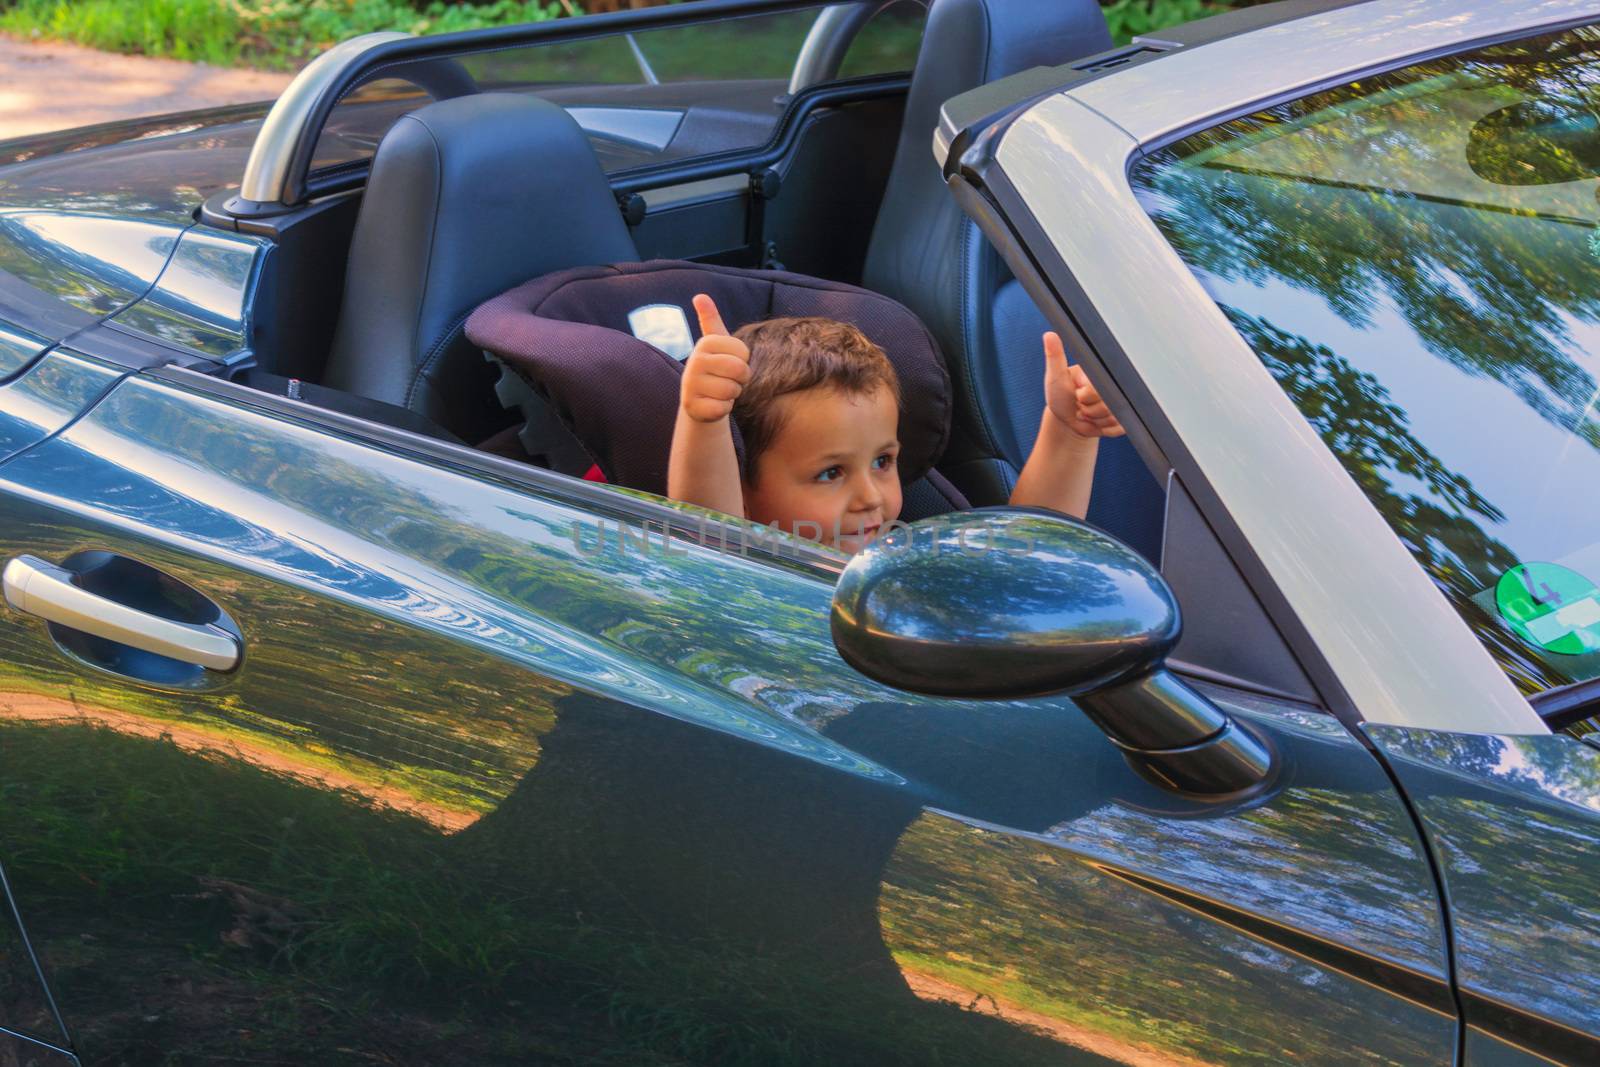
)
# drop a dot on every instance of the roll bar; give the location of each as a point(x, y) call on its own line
point(269, 177)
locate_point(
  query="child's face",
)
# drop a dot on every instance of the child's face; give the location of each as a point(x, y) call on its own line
point(829, 474)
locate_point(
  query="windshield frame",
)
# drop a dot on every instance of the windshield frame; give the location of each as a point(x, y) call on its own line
point(1395, 649)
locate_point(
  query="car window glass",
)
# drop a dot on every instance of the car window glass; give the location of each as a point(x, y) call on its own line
point(359, 121)
point(645, 97)
point(1416, 259)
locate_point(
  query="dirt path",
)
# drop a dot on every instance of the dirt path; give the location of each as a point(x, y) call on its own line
point(48, 86)
point(1112, 1048)
point(32, 707)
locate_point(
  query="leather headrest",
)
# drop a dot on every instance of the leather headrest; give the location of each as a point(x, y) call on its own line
point(467, 197)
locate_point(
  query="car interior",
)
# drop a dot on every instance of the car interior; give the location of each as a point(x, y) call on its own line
point(442, 185)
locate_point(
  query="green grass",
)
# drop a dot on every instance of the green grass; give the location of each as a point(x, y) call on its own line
point(202, 30)
point(284, 34)
point(277, 34)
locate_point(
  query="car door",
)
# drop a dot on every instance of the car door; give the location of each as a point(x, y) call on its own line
point(503, 772)
point(196, 834)
point(38, 395)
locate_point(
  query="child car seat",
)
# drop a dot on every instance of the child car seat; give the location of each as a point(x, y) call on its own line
point(572, 354)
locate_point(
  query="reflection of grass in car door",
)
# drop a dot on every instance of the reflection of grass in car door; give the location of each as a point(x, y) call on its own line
point(247, 913)
point(434, 735)
point(195, 906)
point(125, 849)
point(327, 692)
point(1034, 932)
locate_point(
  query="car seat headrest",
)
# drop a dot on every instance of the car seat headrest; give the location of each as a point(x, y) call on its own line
point(568, 334)
point(466, 197)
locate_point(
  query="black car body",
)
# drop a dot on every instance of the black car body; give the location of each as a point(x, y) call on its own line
point(327, 737)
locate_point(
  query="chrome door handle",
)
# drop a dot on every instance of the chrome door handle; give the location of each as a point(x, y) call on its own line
point(36, 587)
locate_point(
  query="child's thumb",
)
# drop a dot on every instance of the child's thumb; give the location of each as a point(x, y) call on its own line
point(710, 318)
point(1055, 353)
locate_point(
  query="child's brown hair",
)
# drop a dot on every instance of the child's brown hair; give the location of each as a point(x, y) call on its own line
point(791, 355)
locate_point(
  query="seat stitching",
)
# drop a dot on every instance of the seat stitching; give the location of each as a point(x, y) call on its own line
point(988, 45)
point(435, 352)
point(427, 268)
point(1008, 476)
point(969, 232)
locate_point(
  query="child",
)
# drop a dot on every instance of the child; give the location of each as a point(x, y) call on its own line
point(818, 406)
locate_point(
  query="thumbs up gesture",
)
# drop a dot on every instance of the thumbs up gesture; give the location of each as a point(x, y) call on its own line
point(716, 371)
point(1072, 398)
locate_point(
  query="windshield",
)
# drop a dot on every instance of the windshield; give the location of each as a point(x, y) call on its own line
point(1415, 258)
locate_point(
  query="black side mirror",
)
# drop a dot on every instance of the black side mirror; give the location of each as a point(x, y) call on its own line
point(1008, 603)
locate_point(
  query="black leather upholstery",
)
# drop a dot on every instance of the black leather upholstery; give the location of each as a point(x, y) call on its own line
point(467, 198)
point(931, 495)
point(927, 255)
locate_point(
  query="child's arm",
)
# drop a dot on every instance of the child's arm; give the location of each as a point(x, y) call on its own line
point(1060, 470)
point(703, 467)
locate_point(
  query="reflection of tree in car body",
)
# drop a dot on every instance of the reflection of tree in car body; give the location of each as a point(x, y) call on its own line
point(1381, 198)
point(1446, 529)
point(1489, 791)
point(563, 924)
point(1485, 287)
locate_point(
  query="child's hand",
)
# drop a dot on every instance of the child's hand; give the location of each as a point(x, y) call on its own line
point(716, 371)
point(1071, 397)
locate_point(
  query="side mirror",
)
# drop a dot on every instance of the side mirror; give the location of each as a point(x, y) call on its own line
point(1009, 603)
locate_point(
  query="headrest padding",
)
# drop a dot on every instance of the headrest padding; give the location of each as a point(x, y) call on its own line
point(466, 197)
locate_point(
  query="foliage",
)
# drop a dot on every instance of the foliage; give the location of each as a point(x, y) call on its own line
point(201, 30)
point(283, 34)
point(1130, 18)
point(269, 33)
point(334, 20)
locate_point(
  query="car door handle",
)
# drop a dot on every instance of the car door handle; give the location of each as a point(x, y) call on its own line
point(36, 587)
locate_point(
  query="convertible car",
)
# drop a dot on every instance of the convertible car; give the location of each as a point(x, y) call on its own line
point(363, 701)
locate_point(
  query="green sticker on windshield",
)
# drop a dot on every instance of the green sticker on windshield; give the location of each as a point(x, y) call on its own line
point(1550, 606)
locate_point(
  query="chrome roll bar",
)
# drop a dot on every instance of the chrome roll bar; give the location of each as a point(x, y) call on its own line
point(269, 171)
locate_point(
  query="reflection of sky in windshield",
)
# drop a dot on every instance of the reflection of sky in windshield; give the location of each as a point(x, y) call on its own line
point(1542, 477)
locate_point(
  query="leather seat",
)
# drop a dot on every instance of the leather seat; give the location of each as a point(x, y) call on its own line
point(929, 256)
point(467, 198)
